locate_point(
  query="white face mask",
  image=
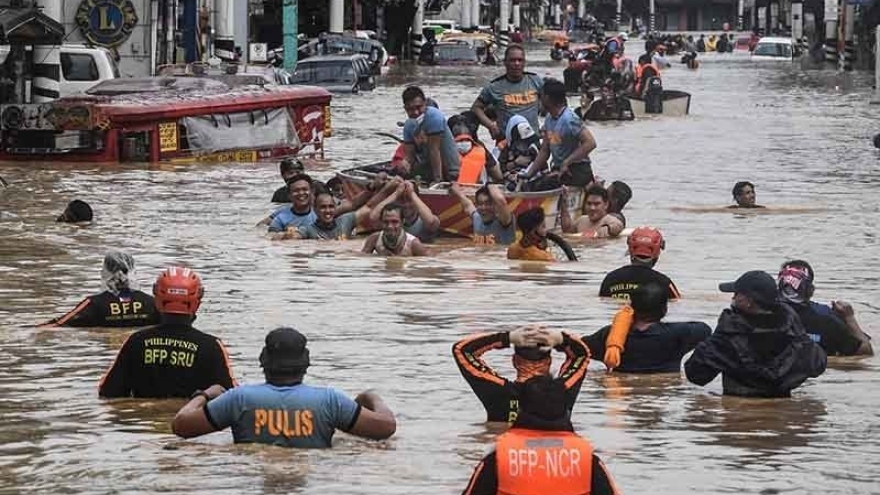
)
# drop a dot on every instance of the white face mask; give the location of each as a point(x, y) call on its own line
point(464, 147)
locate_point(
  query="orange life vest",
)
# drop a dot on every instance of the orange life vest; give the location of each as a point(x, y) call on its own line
point(532, 462)
point(640, 70)
point(473, 163)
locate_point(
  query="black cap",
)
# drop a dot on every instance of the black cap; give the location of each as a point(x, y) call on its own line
point(756, 284)
point(285, 351)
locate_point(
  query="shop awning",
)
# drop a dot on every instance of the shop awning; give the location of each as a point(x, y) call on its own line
point(29, 26)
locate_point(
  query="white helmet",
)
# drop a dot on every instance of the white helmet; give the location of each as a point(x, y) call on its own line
point(623, 36)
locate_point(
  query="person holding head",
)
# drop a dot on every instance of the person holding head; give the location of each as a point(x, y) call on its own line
point(300, 211)
point(565, 139)
point(425, 133)
point(532, 246)
point(418, 219)
point(290, 167)
point(759, 346)
point(532, 345)
point(596, 221)
point(75, 212)
point(514, 93)
point(644, 246)
point(833, 327)
point(492, 221)
point(393, 240)
point(541, 453)
point(171, 359)
point(744, 195)
point(120, 305)
point(651, 344)
point(284, 411)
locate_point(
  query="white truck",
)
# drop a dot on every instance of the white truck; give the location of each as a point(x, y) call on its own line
point(81, 67)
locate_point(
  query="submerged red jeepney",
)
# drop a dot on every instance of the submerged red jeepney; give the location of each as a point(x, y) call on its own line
point(236, 118)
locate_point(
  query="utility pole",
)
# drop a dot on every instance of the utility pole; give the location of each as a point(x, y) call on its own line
point(47, 62)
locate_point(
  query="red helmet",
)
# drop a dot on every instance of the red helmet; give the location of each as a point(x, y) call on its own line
point(178, 290)
point(645, 242)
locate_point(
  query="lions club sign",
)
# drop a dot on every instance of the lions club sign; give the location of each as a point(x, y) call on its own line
point(106, 22)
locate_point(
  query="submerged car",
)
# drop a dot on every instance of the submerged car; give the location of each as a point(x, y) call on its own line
point(771, 48)
point(336, 73)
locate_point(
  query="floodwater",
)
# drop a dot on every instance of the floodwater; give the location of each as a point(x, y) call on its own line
point(803, 137)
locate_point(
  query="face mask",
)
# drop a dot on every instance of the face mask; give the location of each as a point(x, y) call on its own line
point(464, 147)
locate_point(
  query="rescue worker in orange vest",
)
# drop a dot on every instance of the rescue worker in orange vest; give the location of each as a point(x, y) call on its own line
point(645, 70)
point(541, 453)
point(476, 164)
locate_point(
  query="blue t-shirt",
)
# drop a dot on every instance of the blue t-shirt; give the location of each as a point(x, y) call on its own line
point(431, 123)
point(299, 416)
point(492, 232)
point(563, 133)
point(284, 217)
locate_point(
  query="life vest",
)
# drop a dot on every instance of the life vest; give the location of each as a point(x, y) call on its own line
point(473, 164)
point(532, 462)
point(643, 72)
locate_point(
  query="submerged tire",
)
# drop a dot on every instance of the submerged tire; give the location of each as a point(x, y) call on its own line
point(560, 247)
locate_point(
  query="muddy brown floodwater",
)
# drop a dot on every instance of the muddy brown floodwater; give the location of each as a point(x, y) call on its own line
point(803, 137)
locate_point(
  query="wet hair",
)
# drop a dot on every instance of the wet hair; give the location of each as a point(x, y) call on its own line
point(392, 207)
point(298, 177)
point(530, 219)
point(411, 93)
point(459, 120)
point(800, 264)
point(739, 186)
point(290, 165)
point(323, 192)
point(622, 194)
point(333, 183)
point(554, 90)
point(597, 190)
point(650, 301)
point(483, 191)
point(76, 211)
point(511, 47)
point(645, 59)
point(543, 396)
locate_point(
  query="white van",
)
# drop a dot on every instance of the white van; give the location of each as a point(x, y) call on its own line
point(81, 67)
point(771, 48)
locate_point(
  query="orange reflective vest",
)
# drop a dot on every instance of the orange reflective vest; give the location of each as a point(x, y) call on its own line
point(473, 164)
point(532, 462)
point(640, 70)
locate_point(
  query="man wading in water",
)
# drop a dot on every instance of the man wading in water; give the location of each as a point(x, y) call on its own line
point(392, 240)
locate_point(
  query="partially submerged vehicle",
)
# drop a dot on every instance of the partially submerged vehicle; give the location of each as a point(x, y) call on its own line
point(340, 44)
point(82, 67)
point(177, 119)
point(455, 53)
point(481, 42)
point(774, 49)
point(336, 73)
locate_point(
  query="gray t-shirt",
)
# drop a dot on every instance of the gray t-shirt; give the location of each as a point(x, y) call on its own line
point(514, 98)
point(343, 229)
point(563, 133)
point(431, 123)
point(492, 232)
point(298, 416)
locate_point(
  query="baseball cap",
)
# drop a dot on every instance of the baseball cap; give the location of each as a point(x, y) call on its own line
point(285, 350)
point(756, 284)
point(794, 282)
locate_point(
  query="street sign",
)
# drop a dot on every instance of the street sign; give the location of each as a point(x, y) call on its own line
point(258, 52)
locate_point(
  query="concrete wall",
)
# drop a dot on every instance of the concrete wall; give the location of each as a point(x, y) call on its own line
point(135, 53)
